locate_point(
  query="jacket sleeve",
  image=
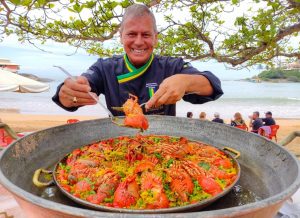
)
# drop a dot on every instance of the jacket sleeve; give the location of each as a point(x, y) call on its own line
point(187, 68)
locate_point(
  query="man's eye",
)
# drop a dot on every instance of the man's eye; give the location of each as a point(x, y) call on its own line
point(147, 35)
point(131, 34)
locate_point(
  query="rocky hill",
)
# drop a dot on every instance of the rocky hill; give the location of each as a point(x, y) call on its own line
point(280, 75)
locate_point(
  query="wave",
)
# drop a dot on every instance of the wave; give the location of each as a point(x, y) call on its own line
point(267, 100)
point(296, 99)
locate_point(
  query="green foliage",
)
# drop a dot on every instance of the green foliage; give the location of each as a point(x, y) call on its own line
point(289, 75)
point(15, 2)
point(272, 74)
point(202, 29)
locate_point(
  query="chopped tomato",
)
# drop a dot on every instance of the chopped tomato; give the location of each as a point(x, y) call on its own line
point(183, 140)
point(109, 204)
point(82, 186)
point(128, 157)
point(66, 187)
point(77, 195)
point(210, 186)
point(76, 152)
point(71, 158)
point(225, 163)
point(94, 199)
point(139, 156)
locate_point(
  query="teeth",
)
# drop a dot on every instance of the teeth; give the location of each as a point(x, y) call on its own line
point(139, 51)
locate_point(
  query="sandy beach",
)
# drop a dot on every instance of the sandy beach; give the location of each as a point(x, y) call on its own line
point(29, 123)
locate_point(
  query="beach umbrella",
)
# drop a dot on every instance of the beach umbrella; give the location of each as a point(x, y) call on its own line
point(14, 82)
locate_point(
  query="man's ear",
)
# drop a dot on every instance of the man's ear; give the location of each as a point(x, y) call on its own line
point(121, 40)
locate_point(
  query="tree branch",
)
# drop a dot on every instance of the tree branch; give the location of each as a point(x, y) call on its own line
point(252, 52)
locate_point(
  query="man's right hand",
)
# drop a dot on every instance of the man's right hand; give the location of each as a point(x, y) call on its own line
point(76, 93)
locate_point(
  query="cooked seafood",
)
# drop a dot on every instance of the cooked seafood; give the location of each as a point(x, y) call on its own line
point(134, 114)
point(146, 172)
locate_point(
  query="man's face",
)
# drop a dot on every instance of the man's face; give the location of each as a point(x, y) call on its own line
point(139, 39)
point(254, 116)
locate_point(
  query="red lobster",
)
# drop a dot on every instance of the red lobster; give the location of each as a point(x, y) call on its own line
point(134, 114)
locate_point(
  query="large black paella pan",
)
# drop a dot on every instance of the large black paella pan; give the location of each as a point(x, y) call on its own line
point(269, 174)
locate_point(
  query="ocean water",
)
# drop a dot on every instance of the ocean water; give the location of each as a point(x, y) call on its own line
point(283, 99)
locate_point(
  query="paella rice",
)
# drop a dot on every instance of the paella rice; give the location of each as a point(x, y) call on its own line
point(146, 172)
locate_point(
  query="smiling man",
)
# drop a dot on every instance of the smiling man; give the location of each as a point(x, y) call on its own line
point(157, 80)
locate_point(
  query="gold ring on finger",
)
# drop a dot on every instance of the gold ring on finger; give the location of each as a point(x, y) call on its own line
point(74, 100)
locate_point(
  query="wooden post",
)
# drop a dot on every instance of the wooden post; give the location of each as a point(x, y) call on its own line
point(289, 138)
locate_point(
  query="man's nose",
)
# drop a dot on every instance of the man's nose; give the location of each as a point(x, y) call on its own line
point(138, 40)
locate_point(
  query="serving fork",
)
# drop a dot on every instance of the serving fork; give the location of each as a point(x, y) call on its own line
point(116, 120)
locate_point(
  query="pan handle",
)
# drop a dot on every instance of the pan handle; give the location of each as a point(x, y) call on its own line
point(237, 153)
point(36, 175)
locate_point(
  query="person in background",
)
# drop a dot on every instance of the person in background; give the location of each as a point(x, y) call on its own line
point(158, 81)
point(238, 120)
point(268, 120)
point(255, 122)
point(202, 116)
point(217, 118)
point(189, 114)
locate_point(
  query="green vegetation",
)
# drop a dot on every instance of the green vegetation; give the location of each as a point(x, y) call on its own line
point(280, 75)
point(195, 30)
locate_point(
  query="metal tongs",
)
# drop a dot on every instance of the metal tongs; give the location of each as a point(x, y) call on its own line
point(114, 119)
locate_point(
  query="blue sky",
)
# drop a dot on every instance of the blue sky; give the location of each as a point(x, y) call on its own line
point(40, 63)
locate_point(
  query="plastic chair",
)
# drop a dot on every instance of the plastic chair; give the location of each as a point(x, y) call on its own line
point(2, 138)
point(7, 135)
point(8, 139)
point(243, 127)
point(72, 121)
point(273, 133)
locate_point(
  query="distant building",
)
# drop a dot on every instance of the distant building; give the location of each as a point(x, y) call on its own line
point(294, 66)
point(255, 79)
point(6, 64)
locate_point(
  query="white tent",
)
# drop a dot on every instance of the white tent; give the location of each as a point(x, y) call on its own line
point(14, 82)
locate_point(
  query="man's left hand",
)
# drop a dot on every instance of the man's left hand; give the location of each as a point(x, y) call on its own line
point(170, 91)
point(173, 88)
